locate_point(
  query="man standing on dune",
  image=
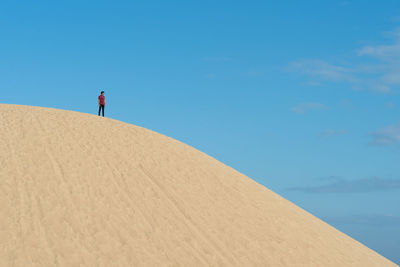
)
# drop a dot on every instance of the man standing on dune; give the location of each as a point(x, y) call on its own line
point(102, 102)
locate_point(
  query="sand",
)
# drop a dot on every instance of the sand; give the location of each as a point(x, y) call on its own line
point(81, 190)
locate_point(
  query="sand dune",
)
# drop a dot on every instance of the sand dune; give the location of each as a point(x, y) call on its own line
point(80, 190)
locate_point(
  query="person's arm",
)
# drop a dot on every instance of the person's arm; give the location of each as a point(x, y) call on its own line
point(99, 101)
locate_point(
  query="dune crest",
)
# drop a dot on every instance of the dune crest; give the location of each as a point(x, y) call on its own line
point(80, 190)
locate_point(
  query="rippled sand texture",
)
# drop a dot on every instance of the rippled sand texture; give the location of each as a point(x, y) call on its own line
point(81, 190)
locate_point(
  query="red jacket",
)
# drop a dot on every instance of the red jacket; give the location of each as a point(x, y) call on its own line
point(102, 100)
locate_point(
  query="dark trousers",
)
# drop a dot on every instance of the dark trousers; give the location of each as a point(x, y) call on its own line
point(101, 107)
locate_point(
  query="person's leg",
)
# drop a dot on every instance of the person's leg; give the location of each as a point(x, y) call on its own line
point(99, 109)
point(103, 109)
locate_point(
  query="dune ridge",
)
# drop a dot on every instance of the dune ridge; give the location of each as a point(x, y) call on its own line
point(81, 190)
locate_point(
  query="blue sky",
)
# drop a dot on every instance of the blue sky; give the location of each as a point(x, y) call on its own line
point(303, 97)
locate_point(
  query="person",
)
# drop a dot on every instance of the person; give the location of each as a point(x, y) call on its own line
point(102, 102)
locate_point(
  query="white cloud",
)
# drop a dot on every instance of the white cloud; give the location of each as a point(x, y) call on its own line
point(380, 74)
point(392, 76)
point(386, 136)
point(380, 88)
point(387, 52)
point(303, 107)
point(322, 70)
point(313, 83)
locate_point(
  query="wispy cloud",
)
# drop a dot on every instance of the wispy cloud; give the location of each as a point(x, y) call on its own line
point(381, 74)
point(329, 133)
point(387, 52)
point(304, 107)
point(386, 136)
point(313, 83)
point(338, 185)
point(323, 70)
point(369, 219)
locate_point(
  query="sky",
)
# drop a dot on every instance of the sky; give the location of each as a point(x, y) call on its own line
point(301, 96)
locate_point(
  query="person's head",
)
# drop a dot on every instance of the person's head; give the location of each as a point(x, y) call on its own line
point(102, 93)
